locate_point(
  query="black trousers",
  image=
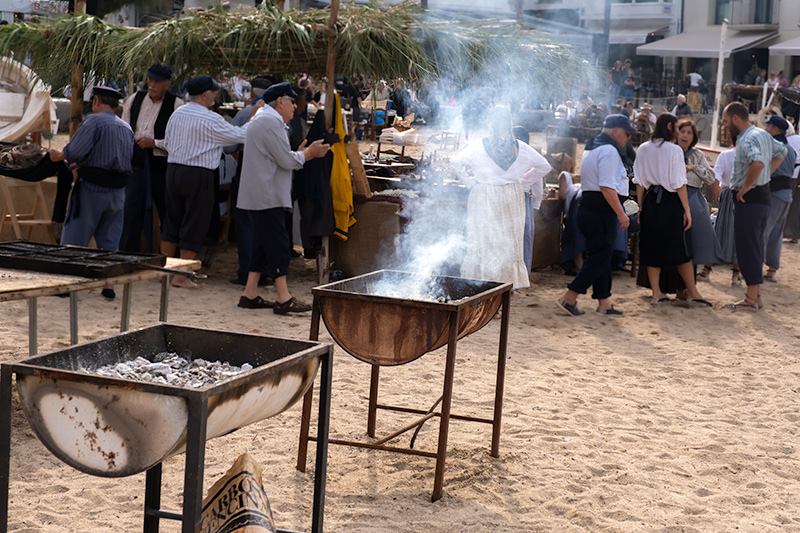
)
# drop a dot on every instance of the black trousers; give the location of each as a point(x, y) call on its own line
point(600, 231)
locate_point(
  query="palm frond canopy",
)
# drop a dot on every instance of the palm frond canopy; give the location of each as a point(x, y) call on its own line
point(381, 41)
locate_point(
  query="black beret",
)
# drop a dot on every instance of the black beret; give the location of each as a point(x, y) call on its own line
point(100, 90)
point(201, 84)
point(159, 72)
point(278, 90)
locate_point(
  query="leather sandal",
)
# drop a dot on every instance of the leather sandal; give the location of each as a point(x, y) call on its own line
point(704, 275)
point(255, 303)
point(747, 304)
point(291, 305)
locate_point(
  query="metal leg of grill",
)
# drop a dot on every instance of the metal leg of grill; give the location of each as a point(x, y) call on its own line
point(447, 397)
point(5, 443)
point(152, 499)
point(73, 317)
point(162, 311)
point(372, 413)
point(33, 327)
point(323, 427)
point(501, 376)
point(125, 320)
point(308, 399)
point(195, 463)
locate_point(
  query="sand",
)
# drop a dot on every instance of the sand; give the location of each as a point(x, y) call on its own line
point(666, 419)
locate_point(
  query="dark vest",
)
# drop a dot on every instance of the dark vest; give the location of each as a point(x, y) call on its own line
point(160, 128)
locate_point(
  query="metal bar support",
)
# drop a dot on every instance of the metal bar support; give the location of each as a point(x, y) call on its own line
point(447, 399)
point(501, 375)
point(372, 410)
point(5, 443)
point(33, 327)
point(73, 317)
point(152, 499)
point(162, 311)
point(125, 320)
point(195, 462)
point(323, 427)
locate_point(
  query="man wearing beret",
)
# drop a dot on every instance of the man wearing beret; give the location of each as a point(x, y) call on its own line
point(781, 185)
point(266, 191)
point(604, 186)
point(147, 112)
point(194, 139)
point(102, 149)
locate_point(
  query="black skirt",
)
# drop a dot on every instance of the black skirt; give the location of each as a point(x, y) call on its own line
point(662, 241)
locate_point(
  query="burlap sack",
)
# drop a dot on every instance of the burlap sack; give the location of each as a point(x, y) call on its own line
point(237, 503)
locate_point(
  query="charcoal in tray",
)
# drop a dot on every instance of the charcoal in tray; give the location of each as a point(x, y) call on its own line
point(20, 246)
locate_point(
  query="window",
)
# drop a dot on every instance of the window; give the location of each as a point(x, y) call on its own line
point(723, 11)
point(763, 12)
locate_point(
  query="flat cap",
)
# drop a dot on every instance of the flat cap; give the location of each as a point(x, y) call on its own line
point(278, 90)
point(779, 122)
point(159, 72)
point(201, 84)
point(101, 90)
point(618, 121)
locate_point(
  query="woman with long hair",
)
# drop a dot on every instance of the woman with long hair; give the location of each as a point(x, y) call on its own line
point(665, 215)
point(704, 245)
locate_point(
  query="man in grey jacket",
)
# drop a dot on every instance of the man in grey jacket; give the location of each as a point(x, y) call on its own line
point(266, 191)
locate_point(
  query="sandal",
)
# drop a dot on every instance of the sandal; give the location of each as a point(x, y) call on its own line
point(699, 302)
point(736, 278)
point(255, 303)
point(292, 305)
point(747, 304)
point(659, 301)
point(704, 275)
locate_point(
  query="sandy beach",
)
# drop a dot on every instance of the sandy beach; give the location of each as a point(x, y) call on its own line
point(667, 419)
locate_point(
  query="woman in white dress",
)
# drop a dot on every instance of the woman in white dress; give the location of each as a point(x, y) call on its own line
point(498, 170)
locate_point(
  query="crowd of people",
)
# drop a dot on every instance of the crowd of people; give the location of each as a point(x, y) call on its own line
point(754, 185)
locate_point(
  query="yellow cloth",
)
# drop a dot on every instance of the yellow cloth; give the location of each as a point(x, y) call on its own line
point(341, 185)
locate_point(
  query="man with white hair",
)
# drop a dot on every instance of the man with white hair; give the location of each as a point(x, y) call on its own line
point(682, 108)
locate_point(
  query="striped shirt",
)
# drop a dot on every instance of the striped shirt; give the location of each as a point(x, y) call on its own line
point(195, 136)
point(754, 144)
point(102, 141)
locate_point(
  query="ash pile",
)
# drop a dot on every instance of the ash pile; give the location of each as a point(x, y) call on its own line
point(169, 368)
point(22, 155)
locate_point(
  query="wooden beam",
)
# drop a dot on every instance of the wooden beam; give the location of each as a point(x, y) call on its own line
point(76, 98)
point(330, 67)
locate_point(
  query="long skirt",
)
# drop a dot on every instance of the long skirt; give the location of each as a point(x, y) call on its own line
point(723, 227)
point(704, 244)
point(495, 231)
point(527, 249)
point(662, 240)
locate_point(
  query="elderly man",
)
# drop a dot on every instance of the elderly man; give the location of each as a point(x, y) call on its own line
point(758, 155)
point(781, 184)
point(147, 112)
point(604, 186)
point(266, 191)
point(682, 108)
point(194, 139)
point(102, 149)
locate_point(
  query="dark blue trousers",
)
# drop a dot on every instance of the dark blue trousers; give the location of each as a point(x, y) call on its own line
point(599, 230)
point(749, 225)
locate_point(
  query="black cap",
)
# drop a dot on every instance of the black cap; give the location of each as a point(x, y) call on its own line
point(779, 122)
point(278, 90)
point(262, 82)
point(200, 84)
point(159, 72)
point(110, 92)
point(618, 121)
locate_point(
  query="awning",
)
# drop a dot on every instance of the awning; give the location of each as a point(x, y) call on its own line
point(786, 48)
point(633, 36)
point(705, 43)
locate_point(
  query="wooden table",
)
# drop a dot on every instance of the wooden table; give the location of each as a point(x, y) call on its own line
point(28, 285)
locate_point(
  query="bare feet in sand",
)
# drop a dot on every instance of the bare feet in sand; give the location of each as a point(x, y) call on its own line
point(183, 282)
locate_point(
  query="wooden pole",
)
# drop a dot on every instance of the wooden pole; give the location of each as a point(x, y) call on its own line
point(323, 255)
point(76, 98)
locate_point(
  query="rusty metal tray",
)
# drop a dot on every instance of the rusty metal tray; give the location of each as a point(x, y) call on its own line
point(74, 260)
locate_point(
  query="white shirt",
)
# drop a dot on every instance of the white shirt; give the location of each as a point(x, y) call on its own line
point(146, 122)
point(794, 142)
point(723, 168)
point(660, 163)
point(602, 167)
point(195, 136)
point(266, 180)
point(475, 166)
point(695, 79)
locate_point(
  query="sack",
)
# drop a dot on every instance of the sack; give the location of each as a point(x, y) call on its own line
point(237, 502)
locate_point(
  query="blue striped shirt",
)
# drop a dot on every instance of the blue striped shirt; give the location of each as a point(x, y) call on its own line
point(104, 141)
point(195, 136)
point(755, 144)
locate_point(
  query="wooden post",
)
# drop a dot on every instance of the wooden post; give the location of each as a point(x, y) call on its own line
point(76, 99)
point(323, 255)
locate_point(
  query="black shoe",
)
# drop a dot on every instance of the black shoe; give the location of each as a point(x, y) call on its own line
point(255, 303)
point(570, 308)
point(108, 294)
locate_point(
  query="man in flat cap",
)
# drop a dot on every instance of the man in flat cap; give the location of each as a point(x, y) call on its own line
point(781, 185)
point(194, 139)
point(102, 149)
point(266, 191)
point(147, 112)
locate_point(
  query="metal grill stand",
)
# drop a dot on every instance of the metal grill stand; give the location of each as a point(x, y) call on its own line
point(197, 402)
point(444, 414)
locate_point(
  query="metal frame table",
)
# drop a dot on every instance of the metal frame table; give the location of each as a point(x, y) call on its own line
point(27, 285)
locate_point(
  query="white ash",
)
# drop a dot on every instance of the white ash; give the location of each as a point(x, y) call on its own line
point(169, 368)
